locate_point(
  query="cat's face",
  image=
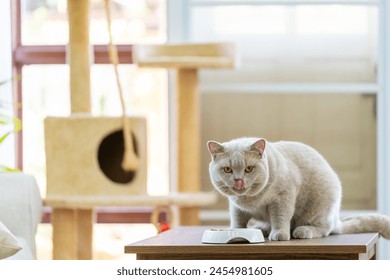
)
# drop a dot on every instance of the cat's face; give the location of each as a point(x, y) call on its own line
point(238, 167)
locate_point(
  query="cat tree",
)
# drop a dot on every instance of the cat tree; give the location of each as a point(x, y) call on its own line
point(84, 153)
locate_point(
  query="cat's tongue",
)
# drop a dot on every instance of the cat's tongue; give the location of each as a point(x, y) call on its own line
point(239, 184)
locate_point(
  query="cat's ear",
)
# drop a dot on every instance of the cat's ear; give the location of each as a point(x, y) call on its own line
point(259, 146)
point(215, 148)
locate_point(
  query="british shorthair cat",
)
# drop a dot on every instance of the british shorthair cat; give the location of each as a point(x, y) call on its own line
point(287, 188)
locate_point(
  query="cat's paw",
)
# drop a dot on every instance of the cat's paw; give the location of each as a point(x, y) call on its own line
point(303, 232)
point(279, 235)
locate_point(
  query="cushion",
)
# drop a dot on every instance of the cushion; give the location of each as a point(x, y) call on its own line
point(25, 253)
point(9, 245)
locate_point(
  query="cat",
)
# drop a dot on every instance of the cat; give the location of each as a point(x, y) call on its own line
point(287, 189)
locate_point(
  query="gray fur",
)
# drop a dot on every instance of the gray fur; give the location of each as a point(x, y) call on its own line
point(284, 188)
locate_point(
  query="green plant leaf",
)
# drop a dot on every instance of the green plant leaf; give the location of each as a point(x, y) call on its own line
point(5, 120)
point(8, 169)
point(2, 138)
point(17, 124)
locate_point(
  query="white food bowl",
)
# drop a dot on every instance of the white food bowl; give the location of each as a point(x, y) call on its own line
point(237, 235)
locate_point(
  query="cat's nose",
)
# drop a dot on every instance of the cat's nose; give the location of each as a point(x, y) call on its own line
point(239, 184)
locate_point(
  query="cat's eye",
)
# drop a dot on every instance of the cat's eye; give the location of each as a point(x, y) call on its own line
point(227, 169)
point(249, 169)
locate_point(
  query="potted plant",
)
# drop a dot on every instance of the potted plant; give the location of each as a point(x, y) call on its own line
point(8, 125)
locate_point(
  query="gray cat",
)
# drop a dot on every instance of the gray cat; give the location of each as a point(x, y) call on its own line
point(286, 187)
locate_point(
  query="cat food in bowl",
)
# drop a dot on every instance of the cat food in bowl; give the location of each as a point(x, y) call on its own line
point(237, 235)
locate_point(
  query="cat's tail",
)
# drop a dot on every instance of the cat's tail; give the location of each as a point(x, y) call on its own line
point(366, 223)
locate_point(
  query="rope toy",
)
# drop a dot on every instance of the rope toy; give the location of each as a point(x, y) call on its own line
point(130, 160)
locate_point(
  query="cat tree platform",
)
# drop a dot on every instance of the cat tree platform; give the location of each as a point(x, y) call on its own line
point(189, 56)
point(181, 200)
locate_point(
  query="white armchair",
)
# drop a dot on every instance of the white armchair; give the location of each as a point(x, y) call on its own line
point(21, 210)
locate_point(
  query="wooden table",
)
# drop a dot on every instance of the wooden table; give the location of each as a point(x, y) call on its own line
point(184, 243)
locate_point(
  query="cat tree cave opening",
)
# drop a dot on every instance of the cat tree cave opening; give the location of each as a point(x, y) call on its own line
point(110, 156)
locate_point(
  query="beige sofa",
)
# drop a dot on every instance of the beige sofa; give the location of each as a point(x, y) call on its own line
point(20, 213)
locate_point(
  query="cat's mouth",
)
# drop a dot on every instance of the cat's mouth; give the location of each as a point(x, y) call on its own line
point(239, 184)
point(245, 190)
point(239, 187)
